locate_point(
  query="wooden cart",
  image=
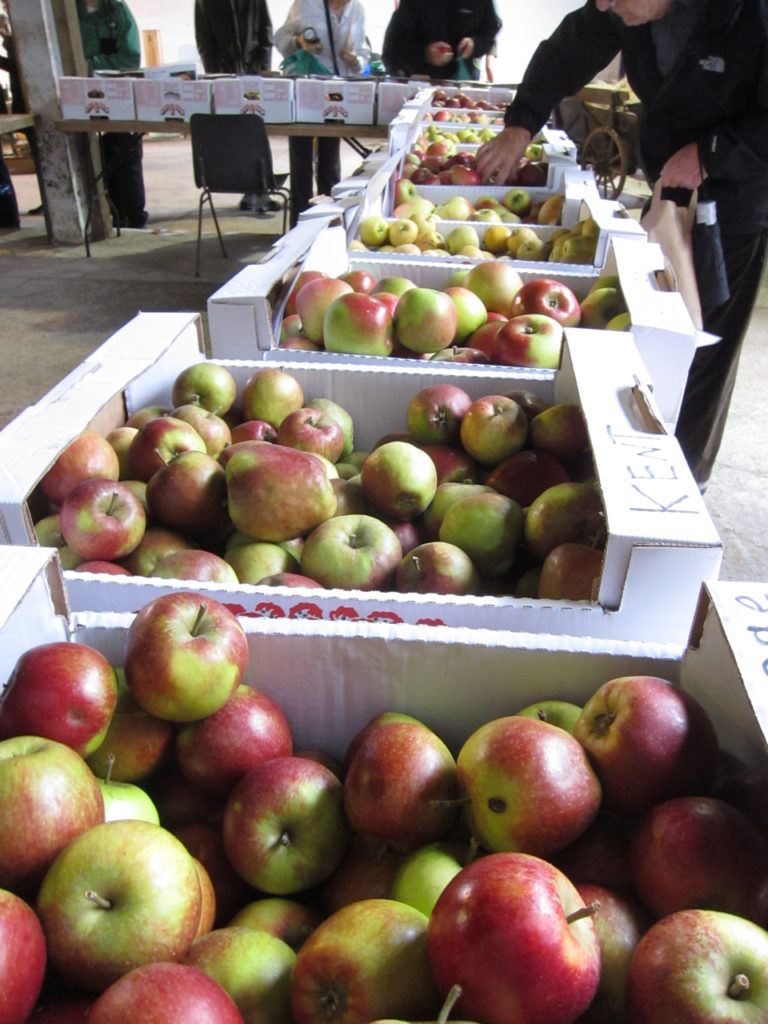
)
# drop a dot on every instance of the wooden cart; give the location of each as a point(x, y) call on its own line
point(602, 119)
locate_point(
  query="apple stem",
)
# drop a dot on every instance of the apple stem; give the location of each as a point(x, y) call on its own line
point(201, 613)
point(448, 1005)
point(112, 503)
point(110, 764)
point(738, 987)
point(588, 911)
point(98, 900)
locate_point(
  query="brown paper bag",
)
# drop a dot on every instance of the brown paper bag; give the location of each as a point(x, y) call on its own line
point(670, 226)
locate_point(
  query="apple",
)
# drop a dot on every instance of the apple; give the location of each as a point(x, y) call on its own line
point(256, 559)
point(312, 430)
point(404, 188)
point(120, 438)
point(158, 442)
point(424, 874)
point(566, 512)
point(481, 340)
point(302, 278)
point(342, 417)
point(550, 210)
point(253, 430)
point(370, 956)
point(277, 493)
point(357, 323)
point(461, 236)
point(531, 786)
point(125, 800)
point(314, 299)
point(23, 958)
point(195, 564)
point(270, 394)
point(48, 534)
point(471, 313)
point(214, 752)
point(283, 826)
point(599, 856)
point(102, 519)
point(452, 462)
point(373, 230)
point(61, 691)
point(648, 741)
point(206, 384)
point(89, 455)
point(185, 655)
point(252, 966)
point(524, 474)
point(529, 339)
point(492, 428)
point(620, 923)
point(156, 543)
point(699, 965)
point(447, 494)
point(398, 480)
point(562, 713)
point(62, 1009)
point(136, 741)
point(601, 306)
point(165, 993)
point(524, 917)
point(560, 430)
point(352, 552)
point(400, 786)
point(699, 851)
point(189, 494)
point(367, 871)
point(436, 567)
point(571, 572)
point(228, 891)
point(425, 320)
point(455, 208)
point(285, 918)
point(393, 285)
point(496, 283)
point(121, 894)
point(214, 430)
point(550, 296)
point(292, 333)
point(488, 527)
point(518, 201)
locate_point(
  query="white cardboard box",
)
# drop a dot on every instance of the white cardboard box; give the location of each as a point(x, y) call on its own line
point(661, 544)
point(90, 99)
point(171, 99)
point(331, 677)
point(269, 96)
point(335, 100)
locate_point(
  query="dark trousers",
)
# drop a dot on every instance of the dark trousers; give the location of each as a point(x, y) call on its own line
point(302, 171)
point(9, 210)
point(712, 376)
point(124, 176)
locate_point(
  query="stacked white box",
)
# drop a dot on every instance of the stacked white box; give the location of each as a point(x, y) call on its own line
point(90, 99)
point(171, 99)
point(335, 100)
point(271, 97)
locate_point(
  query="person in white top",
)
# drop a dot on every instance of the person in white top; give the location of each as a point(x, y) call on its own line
point(342, 52)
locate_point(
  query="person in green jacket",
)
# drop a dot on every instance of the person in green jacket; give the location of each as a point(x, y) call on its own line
point(111, 41)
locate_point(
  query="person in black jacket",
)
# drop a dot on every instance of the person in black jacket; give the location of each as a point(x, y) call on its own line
point(700, 69)
point(234, 37)
point(427, 37)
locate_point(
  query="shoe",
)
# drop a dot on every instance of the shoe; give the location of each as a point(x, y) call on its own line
point(36, 212)
point(267, 205)
point(250, 202)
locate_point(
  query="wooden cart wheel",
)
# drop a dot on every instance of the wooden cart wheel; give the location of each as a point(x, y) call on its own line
point(603, 152)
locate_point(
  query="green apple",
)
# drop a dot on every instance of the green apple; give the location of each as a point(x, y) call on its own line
point(393, 285)
point(562, 513)
point(257, 559)
point(207, 384)
point(601, 306)
point(399, 480)
point(352, 552)
point(447, 494)
point(562, 713)
point(125, 799)
point(270, 394)
point(455, 208)
point(291, 920)
point(461, 236)
point(496, 282)
point(425, 320)
point(488, 527)
point(373, 230)
point(424, 874)
point(358, 324)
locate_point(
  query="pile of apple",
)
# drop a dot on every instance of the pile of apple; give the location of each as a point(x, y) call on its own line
point(491, 495)
point(592, 863)
point(437, 151)
point(484, 313)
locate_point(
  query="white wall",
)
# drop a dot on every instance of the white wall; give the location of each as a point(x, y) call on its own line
point(526, 22)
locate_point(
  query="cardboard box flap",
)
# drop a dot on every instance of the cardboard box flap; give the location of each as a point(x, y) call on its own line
point(34, 609)
point(726, 664)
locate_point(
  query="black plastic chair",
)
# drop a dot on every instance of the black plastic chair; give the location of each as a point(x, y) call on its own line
point(231, 153)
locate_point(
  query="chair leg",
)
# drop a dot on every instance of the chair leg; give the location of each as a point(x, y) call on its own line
point(205, 196)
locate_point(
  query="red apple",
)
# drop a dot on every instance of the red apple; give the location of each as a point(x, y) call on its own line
point(217, 750)
point(214, 430)
point(453, 463)
point(571, 572)
point(312, 430)
point(366, 872)
point(523, 916)
point(550, 296)
point(159, 441)
point(189, 494)
point(564, 513)
point(649, 741)
point(358, 324)
point(185, 655)
point(304, 277)
point(531, 787)
point(270, 394)
point(286, 919)
point(425, 320)
point(23, 958)
point(435, 412)
point(561, 430)
point(253, 430)
point(524, 474)
point(62, 691)
point(156, 543)
point(492, 428)
point(165, 993)
point(436, 567)
point(313, 300)
point(102, 519)
point(530, 339)
point(496, 282)
point(89, 455)
point(137, 741)
point(195, 564)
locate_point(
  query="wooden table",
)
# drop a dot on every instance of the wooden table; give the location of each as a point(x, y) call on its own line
point(339, 131)
point(10, 123)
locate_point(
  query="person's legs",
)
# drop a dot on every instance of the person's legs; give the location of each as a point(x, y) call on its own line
point(301, 174)
point(9, 210)
point(124, 177)
point(328, 164)
point(712, 375)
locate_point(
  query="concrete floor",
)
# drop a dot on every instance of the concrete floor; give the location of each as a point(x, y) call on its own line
point(57, 306)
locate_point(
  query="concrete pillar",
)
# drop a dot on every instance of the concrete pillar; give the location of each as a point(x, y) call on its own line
point(48, 45)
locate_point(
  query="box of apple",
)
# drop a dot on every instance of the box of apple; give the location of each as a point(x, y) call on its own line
point(231, 843)
point(223, 526)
